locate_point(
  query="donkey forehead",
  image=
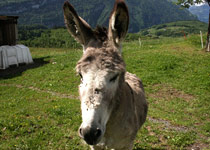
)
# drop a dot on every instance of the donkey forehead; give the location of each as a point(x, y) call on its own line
point(105, 58)
point(97, 78)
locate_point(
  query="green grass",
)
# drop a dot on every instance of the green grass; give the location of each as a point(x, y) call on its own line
point(36, 112)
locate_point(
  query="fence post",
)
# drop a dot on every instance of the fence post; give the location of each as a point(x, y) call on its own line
point(139, 42)
point(201, 39)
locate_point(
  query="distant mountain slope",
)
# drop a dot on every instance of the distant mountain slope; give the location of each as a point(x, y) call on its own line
point(201, 11)
point(143, 13)
point(175, 29)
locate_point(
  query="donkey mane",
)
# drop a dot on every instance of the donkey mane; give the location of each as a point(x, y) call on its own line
point(103, 58)
point(101, 33)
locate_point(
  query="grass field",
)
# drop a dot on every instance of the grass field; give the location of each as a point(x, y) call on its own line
point(40, 110)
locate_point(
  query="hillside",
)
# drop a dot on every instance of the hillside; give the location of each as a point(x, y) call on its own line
point(143, 13)
point(175, 29)
point(201, 11)
point(39, 36)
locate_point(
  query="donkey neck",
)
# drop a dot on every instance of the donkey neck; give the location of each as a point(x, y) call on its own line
point(121, 117)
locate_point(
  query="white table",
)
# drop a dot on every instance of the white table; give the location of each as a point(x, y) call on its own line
point(14, 55)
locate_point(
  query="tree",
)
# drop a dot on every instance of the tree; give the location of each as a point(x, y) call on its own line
point(187, 4)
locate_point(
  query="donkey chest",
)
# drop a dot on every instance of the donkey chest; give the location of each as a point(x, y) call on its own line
point(114, 142)
point(119, 134)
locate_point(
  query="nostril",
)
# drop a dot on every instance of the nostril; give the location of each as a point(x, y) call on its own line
point(98, 133)
point(90, 135)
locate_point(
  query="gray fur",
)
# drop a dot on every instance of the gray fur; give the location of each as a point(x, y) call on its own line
point(127, 106)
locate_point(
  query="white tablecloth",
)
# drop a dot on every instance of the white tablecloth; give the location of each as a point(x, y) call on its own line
point(14, 55)
point(3, 59)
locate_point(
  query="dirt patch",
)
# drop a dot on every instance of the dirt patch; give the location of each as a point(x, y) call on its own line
point(169, 93)
point(168, 125)
point(198, 146)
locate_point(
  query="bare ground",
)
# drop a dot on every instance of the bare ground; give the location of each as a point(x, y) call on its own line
point(169, 93)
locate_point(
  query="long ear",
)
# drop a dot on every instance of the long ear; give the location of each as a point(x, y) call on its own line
point(118, 22)
point(76, 26)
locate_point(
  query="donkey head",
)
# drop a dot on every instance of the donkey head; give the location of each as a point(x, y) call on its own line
point(101, 67)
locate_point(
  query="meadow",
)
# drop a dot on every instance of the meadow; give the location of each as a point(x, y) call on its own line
point(40, 110)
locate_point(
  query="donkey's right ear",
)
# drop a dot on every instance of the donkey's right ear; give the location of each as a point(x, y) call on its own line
point(76, 26)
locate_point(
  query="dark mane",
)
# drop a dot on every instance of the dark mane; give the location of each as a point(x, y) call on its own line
point(101, 33)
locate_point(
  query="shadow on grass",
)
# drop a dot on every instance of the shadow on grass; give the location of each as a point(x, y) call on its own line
point(14, 71)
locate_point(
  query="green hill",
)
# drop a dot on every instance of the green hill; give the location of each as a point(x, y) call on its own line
point(175, 29)
point(143, 13)
point(40, 36)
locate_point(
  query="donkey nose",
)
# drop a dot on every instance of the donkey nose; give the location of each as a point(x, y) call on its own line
point(90, 135)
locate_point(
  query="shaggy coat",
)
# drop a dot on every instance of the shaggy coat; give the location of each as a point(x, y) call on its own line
point(113, 102)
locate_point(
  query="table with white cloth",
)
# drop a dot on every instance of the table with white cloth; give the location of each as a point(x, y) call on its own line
point(14, 55)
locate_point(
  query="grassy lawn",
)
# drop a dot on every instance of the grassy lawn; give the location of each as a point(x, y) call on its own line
point(39, 106)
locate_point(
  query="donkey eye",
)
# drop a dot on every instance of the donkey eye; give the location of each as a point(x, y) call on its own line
point(114, 78)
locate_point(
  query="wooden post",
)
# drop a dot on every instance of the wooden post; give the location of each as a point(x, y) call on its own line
point(139, 42)
point(185, 37)
point(201, 39)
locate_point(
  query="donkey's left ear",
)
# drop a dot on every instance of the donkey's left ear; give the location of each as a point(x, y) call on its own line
point(118, 22)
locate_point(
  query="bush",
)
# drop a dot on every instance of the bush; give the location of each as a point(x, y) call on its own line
point(170, 33)
point(144, 33)
point(161, 26)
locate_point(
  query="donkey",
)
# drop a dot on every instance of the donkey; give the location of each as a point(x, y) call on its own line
point(113, 103)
